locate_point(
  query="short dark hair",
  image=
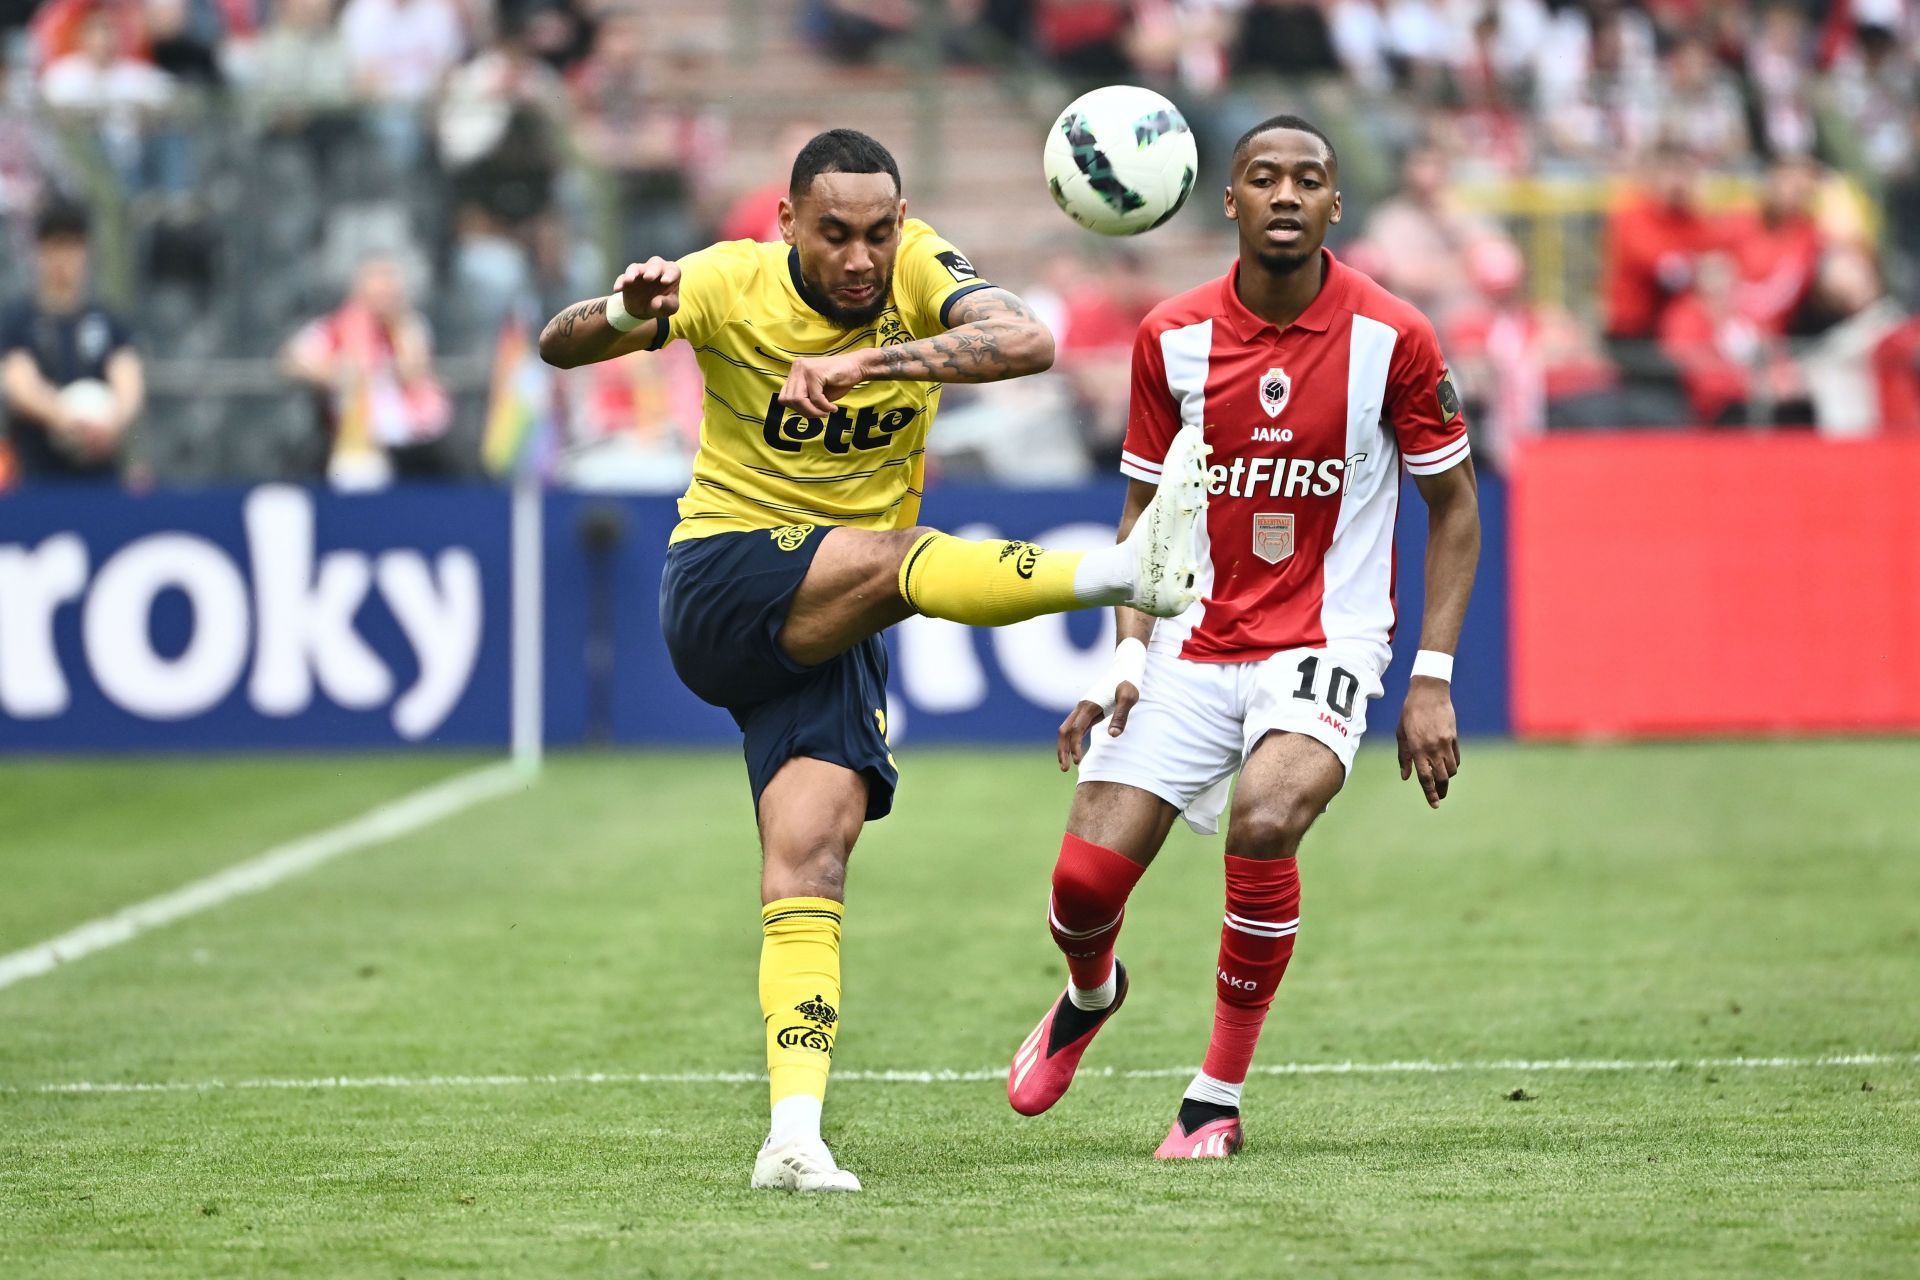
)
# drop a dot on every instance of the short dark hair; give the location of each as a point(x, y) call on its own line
point(840, 151)
point(60, 219)
point(1300, 123)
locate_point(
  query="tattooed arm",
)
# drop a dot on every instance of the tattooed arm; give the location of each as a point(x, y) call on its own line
point(994, 336)
point(581, 335)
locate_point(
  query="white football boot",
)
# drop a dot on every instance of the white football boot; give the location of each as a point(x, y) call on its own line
point(1165, 540)
point(800, 1166)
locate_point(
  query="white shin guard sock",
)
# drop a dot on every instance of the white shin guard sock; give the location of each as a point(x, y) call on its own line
point(1105, 575)
point(1088, 1000)
point(795, 1119)
point(1206, 1089)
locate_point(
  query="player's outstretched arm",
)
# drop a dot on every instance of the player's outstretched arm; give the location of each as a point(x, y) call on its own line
point(1429, 737)
point(994, 336)
point(584, 333)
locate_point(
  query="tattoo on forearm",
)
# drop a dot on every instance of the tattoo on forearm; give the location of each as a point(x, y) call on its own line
point(969, 352)
point(568, 319)
point(948, 357)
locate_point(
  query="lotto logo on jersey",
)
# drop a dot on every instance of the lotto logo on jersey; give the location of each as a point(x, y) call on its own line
point(840, 432)
point(1282, 477)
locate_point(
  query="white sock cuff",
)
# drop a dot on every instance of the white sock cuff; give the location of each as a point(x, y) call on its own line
point(795, 1118)
point(1104, 575)
point(1092, 999)
point(1206, 1089)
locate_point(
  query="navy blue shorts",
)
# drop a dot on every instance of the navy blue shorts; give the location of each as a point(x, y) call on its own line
point(723, 600)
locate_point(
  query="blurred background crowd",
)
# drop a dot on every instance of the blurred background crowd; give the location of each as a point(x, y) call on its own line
point(306, 239)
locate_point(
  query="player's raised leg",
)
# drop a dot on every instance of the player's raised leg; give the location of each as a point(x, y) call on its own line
point(810, 816)
point(1288, 781)
point(861, 581)
point(1113, 833)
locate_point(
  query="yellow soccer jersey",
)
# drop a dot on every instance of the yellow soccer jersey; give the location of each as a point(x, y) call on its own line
point(761, 465)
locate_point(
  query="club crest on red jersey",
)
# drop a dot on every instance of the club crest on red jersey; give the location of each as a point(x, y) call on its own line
point(1273, 536)
point(1276, 388)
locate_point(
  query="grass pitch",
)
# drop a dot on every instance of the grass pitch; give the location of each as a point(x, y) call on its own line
point(1630, 904)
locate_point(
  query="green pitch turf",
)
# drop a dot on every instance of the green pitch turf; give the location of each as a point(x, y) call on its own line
point(1631, 904)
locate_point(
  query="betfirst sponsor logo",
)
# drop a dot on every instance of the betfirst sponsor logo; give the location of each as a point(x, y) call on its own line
point(283, 622)
point(1282, 477)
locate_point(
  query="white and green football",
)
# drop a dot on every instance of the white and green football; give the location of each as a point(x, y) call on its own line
point(1120, 160)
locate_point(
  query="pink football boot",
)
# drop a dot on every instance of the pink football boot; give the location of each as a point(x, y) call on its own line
point(1214, 1140)
point(1047, 1059)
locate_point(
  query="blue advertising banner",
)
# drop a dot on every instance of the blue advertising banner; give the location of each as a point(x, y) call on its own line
point(277, 617)
point(608, 678)
point(287, 618)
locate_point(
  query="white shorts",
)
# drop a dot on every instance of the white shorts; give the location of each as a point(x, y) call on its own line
point(1197, 722)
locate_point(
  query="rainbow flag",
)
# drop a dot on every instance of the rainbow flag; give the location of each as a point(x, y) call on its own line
point(521, 405)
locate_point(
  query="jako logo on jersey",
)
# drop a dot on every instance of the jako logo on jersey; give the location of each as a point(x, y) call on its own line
point(1238, 984)
point(1282, 477)
point(1275, 386)
point(839, 432)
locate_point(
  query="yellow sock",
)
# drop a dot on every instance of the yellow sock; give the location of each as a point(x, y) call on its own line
point(800, 993)
point(993, 583)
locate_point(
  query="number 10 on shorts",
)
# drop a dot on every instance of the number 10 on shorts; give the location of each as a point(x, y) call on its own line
point(1341, 689)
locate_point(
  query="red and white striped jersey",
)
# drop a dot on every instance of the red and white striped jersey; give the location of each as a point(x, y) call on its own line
point(1309, 428)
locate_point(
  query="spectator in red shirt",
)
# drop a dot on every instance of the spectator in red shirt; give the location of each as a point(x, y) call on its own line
point(1777, 245)
point(1715, 347)
point(1654, 233)
point(370, 366)
point(1732, 370)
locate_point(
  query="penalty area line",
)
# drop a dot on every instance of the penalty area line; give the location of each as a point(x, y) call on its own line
point(377, 825)
point(980, 1076)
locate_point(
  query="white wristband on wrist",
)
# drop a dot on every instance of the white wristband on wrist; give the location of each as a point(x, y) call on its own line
point(618, 316)
point(1129, 667)
point(1431, 662)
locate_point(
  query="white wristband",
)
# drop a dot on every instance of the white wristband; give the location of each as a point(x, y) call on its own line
point(1129, 667)
point(1431, 662)
point(617, 314)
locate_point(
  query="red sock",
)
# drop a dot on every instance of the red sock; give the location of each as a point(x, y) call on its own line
point(1256, 941)
point(1090, 888)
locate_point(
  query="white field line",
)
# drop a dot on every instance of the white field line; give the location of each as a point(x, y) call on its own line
point(384, 822)
point(980, 1076)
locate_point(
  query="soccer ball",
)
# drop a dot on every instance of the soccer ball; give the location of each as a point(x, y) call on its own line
point(1120, 160)
point(90, 404)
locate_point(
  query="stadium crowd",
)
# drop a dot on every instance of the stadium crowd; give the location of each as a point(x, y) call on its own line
point(315, 220)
